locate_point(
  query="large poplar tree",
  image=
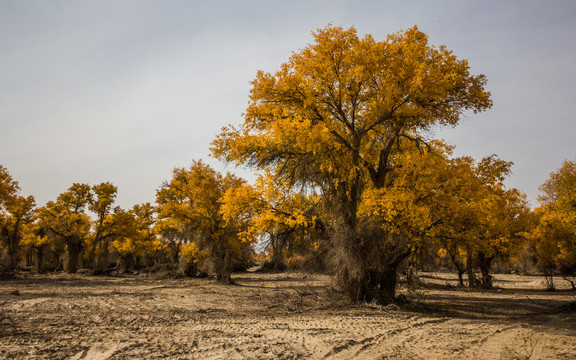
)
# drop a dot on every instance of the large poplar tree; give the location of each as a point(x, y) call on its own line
point(335, 117)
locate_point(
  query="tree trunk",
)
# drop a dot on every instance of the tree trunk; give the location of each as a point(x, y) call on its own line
point(190, 269)
point(411, 277)
point(388, 282)
point(102, 258)
point(472, 281)
point(10, 253)
point(379, 286)
point(277, 255)
point(28, 258)
point(174, 253)
point(220, 261)
point(38, 259)
point(74, 248)
point(125, 263)
point(461, 277)
point(549, 277)
point(484, 263)
point(460, 269)
point(226, 269)
point(91, 259)
point(565, 277)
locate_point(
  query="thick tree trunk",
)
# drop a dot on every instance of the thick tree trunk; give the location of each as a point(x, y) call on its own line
point(91, 259)
point(278, 263)
point(388, 283)
point(484, 263)
point(101, 263)
point(220, 261)
point(29, 258)
point(10, 253)
point(73, 251)
point(38, 253)
point(190, 269)
point(125, 263)
point(472, 281)
point(103, 258)
point(377, 285)
point(174, 253)
point(226, 270)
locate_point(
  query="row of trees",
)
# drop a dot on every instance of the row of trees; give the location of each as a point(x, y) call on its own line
point(350, 182)
point(83, 228)
point(451, 209)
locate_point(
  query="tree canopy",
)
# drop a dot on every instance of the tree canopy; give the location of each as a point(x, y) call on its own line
point(555, 234)
point(337, 113)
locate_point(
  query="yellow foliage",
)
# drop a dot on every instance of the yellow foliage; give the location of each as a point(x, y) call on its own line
point(337, 107)
point(555, 234)
point(193, 208)
point(192, 253)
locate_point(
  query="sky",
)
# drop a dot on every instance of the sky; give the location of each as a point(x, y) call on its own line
point(125, 91)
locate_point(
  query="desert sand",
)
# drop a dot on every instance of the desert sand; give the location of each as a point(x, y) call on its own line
point(279, 316)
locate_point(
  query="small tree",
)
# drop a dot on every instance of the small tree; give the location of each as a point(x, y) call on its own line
point(36, 240)
point(555, 234)
point(15, 212)
point(191, 202)
point(277, 215)
point(101, 205)
point(66, 219)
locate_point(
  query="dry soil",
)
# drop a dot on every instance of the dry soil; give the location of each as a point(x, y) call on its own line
point(279, 316)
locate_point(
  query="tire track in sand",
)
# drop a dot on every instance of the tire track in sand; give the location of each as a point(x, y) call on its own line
point(379, 344)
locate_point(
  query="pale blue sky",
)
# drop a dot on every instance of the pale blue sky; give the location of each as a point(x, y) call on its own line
point(124, 91)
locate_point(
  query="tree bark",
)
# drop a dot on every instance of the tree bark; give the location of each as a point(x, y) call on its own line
point(388, 283)
point(38, 253)
point(472, 281)
point(102, 259)
point(73, 251)
point(190, 269)
point(460, 269)
point(484, 263)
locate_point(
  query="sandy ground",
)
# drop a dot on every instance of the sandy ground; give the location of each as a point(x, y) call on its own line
point(279, 316)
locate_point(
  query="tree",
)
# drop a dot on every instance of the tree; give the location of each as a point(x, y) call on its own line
point(555, 234)
point(503, 217)
point(279, 217)
point(474, 218)
point(428, 198)
point(8, 186)
point(36, 240)
point(189, 208)
point(173, 232)
point(133, 235)
point(560, 188)
point(456, 214)
point(15, 212)
point(332, 120)
point(101, 202)
point(145, 216)
point(66, 219)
